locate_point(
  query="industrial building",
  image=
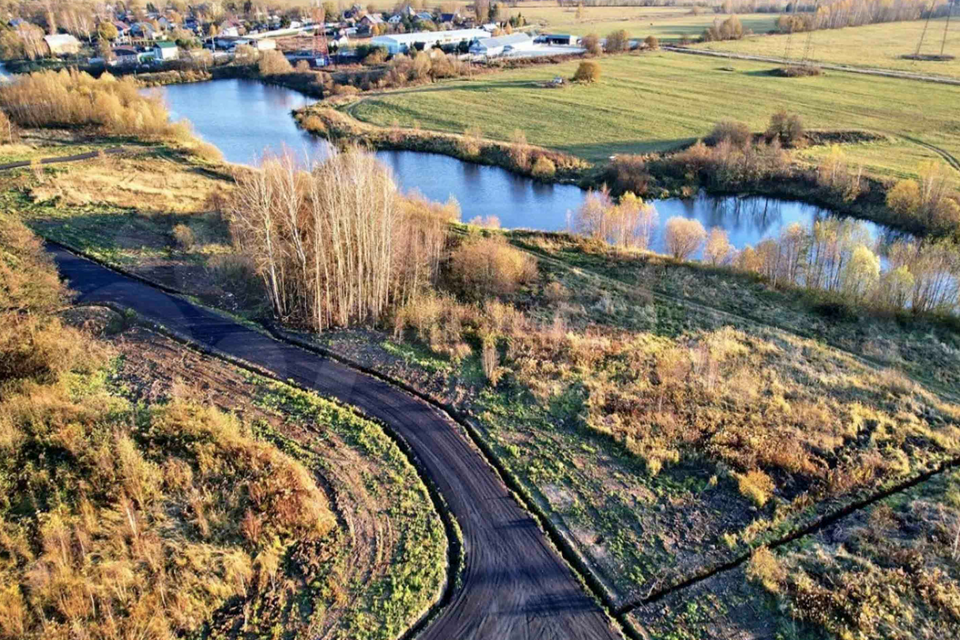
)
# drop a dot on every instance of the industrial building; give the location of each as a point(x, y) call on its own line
point(492, 47)
point(405, 42)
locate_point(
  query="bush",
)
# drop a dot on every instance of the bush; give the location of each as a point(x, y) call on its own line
point(787, 128)
point(766, 569)
point(588, 71)
point(183, 237)
point(652, 43)
point(591, 43)
point(756, 486)
point(484, 266)
point(543, 168)
point(617, 41)
point(684, 237)
point(737, 133)
point(73, 99)
point(472, 142)
point(274, 63)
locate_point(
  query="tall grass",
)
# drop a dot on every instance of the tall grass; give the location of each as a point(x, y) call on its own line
point(120, 521)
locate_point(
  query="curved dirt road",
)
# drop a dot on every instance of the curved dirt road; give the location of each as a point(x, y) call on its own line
point(90, 155)
point(514, 584)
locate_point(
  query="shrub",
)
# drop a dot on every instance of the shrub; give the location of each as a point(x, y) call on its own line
point(683, 237)
point(543, 168)
point(483, 266)
point(519, 150)
point(7, 133)
point(472, 142)
point(274, 63)
point(74, 99)
point(652, 43)
point(617, 41)
point(184, 237)
point(591, 43)
point(787, 128)
point(767, 570)
point(313, 124)
point(588, 71)
point(733, 131)
point(756, 486)
point(345, 90)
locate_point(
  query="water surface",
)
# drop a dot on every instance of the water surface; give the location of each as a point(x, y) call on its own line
point(244, 118)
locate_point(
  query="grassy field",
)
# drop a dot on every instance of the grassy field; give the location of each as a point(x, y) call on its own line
point(873, 46)
point(659, 101)
point(669, 24)
point(612, 409)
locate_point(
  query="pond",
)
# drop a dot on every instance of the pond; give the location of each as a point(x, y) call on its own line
point(243, 118)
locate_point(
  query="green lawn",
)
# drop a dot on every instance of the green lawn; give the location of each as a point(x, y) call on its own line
point(655, 102)
point(878, 45)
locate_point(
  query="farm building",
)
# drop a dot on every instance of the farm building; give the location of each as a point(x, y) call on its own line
point(62, 45)
point(559, 38)
point(492, 47)
point(403, 42)
point(164, 51)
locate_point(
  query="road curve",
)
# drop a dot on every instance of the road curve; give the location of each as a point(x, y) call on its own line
point(514, 585)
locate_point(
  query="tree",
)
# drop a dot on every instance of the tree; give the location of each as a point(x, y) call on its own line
point(861, 274)
point(105, 50)
point(481, 10)
point(107, 31)
point(617, 41)
point(718, 249)
point(652, 43)
point(588, 71)
point(579, 14)
point(684, 237)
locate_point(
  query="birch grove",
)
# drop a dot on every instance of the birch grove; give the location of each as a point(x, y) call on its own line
point(336, 244)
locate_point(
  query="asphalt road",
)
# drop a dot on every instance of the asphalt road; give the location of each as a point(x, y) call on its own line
point(514, 584)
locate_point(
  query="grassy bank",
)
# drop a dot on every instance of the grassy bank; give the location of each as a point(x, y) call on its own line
point(658, 102)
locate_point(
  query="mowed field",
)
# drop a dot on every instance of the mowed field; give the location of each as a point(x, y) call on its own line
point(659, 101)
point(669, 24)
point(876, 46)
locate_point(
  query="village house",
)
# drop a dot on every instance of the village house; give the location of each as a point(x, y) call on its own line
point(125, 57)
point(166, 51)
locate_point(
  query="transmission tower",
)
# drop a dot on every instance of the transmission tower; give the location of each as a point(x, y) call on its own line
point(946, 27)
point(923, 34)
point(807, 47)
point(320, 49)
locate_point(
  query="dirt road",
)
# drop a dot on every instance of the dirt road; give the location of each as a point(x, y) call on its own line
point(514, 584)
point(90, 155)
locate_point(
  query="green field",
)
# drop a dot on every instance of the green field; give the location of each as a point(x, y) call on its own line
point(666, 23)
point(878, 45)
point(656, 102)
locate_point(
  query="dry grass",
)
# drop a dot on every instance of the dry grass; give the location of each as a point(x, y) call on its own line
point(124, 520)
point(144, 184)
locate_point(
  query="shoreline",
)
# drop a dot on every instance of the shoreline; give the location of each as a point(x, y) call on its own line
point(334, 122)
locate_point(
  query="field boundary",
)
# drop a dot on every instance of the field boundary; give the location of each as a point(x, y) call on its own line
point(886, 73)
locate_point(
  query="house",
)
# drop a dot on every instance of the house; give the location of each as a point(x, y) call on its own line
point(425, 16)
point(395, 19)
point(405, 42)
point(450, 17)
point(143, 30)
point(260, 44)
point(164, 51)
point(370, 22)
point(353, 12)
point(62, 45)
point(126, 57)
point(500, 45)
point(229, 28)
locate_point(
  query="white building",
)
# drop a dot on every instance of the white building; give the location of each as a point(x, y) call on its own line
point(164, 51)
point(492, 47)
point(404, 42)
point(62, 45)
